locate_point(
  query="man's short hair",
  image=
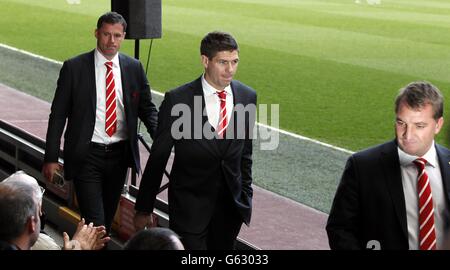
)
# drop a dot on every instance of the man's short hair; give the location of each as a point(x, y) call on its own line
point(418, 94)
point(17, 204)
point(154, 239)
point(217, 41)
point(21, 176)
point(112, 17)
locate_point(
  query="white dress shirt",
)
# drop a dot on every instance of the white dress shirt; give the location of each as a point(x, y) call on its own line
point(409, 180)
point(212, 102)
point(100, 135)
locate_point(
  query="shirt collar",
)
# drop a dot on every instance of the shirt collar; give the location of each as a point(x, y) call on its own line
point(209, 90)
point(407, 159)
point(100, 60)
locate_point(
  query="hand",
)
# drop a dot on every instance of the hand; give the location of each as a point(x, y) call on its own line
point(89, 236)
point(101, 238)
point(143, 220)
point(85, 235)
point(48, 170)
point(70, 244)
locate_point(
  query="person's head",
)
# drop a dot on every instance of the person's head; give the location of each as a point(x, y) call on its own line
point(110, 32)
point(24, 178)
point(20, 203)
point(220, 58)
point(154, 239)
point(419, 109)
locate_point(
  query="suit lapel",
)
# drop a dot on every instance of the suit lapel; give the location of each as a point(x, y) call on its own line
point(391, 169)
point(90, 76)
point(125, 85)
point(209, 145)
point(444, 164)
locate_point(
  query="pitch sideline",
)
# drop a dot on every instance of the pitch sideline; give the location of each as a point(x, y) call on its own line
point(285, 132)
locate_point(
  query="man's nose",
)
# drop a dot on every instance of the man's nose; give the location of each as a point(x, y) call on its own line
point(407, 132)
point(230, 67)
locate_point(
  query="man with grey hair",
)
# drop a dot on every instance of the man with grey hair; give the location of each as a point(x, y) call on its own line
point(20, 218)
point(392, 196)
point(19, 215)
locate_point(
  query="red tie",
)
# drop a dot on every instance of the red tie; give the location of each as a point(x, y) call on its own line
point(110, 115)
point(223, 113)
point(427, 233)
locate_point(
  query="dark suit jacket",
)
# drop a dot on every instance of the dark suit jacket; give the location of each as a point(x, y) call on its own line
point(75, 101)
point(370, 204)
point(7, 246)
point(198, 163)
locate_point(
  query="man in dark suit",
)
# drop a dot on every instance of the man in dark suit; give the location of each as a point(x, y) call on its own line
point(395, 195)
point(101, 94)
point(210, 191)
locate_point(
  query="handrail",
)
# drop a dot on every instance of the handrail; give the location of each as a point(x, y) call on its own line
point(20, 150)
point(145, 144)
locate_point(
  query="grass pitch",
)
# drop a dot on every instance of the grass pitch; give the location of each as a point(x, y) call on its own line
point(333, 66)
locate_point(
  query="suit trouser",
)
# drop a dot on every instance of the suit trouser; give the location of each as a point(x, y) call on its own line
point(99, 184)
point(223, 228)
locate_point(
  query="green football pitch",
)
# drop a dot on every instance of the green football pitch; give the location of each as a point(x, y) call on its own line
point(334, 67)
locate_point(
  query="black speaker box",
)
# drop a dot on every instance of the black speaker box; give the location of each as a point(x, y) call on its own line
point(143, 17)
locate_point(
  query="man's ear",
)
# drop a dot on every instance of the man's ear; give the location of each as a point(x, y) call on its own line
point(205, 61)
point(32, 223)
point(439, 125)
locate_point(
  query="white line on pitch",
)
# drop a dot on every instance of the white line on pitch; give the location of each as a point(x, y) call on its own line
point(162, 94)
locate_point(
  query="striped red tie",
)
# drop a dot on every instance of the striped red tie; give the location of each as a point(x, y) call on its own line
point(427, 233)
point(110, 115)
point(223, 113)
